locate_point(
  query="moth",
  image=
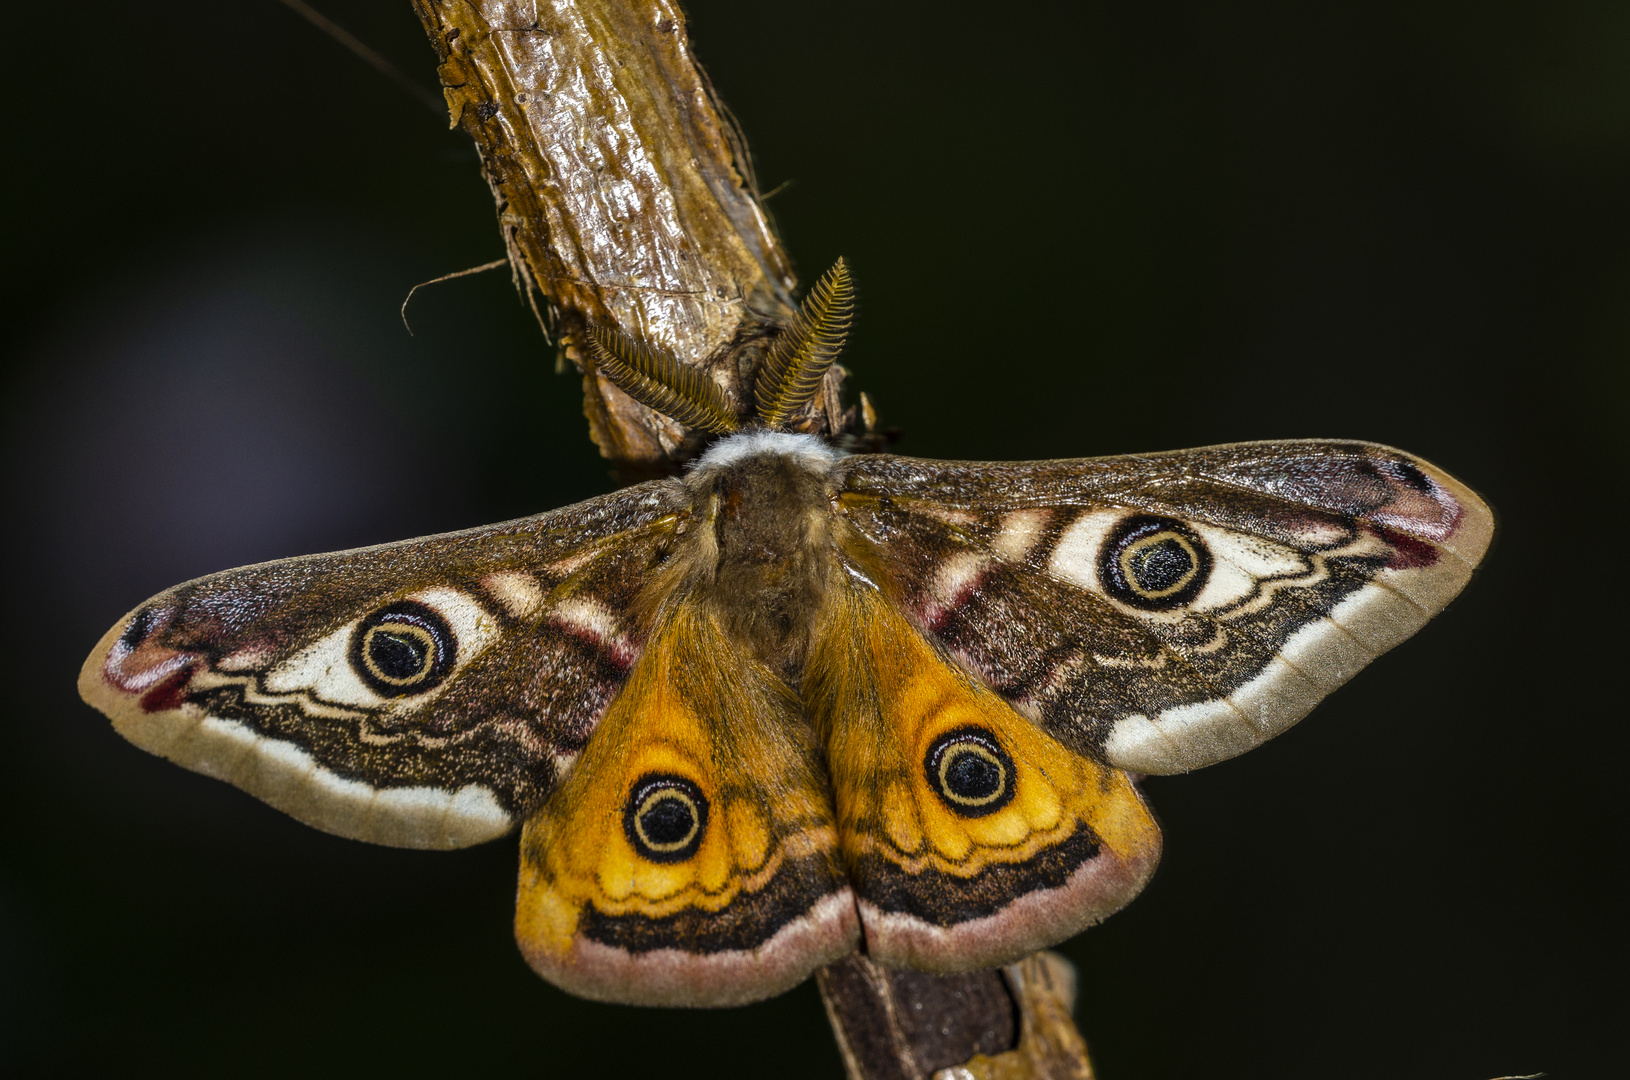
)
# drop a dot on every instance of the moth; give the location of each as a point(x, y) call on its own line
point(797, 702)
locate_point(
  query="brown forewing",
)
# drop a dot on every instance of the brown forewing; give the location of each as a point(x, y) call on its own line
point(557, 591)
point(981, 556)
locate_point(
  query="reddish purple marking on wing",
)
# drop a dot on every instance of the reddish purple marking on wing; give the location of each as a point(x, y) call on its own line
point(1408, 553)
point(138, 664)
point(618, 652)
point(170, 694)
point(936, 611)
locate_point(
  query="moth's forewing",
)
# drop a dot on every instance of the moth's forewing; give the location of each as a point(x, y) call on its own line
point(420, 694)
point(1274, 572)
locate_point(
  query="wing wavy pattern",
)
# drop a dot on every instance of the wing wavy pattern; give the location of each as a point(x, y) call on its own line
point(1163, 612)
point(420, 694)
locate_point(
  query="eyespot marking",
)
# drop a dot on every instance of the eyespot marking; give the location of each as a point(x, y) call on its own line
point(1411, 474)
point(145, 622)
point(406, 648)
point(1154, 563)
point(665, 817)
point(970, 772)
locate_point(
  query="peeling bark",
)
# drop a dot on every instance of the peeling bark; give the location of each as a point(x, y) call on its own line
point(1011, 1024)
point(625, 197)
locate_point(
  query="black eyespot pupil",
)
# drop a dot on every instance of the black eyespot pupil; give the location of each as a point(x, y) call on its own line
point(406, 648)
point(973, 777)
point(970, 772)
point(667, 821)
point(1161, 565)
point(665, 817)
point(1154, 563)
point(398, 656)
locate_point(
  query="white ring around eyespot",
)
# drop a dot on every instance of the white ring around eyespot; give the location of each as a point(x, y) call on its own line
point(431, 653)
point(323, 672)
point(650, 803)
point(951, 753)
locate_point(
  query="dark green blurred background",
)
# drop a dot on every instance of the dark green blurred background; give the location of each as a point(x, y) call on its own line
point(1076, 229)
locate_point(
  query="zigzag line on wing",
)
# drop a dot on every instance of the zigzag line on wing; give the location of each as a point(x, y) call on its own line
point(954, 628)
point(945, 899)
point(813, 841)
point(978, 859)
point(1261, 596)
point(762, 908)
point(253, 694)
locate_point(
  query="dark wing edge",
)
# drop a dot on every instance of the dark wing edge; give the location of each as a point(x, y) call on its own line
point(1323, 555)
point(522, 631)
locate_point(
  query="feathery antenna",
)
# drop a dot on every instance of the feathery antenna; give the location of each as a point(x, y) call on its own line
point(660, 382)
point(798, 360)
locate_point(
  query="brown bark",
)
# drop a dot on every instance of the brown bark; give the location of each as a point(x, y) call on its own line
point(625, 197)
point(1012, 1024)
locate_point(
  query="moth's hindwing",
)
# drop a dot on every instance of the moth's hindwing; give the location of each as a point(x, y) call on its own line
point(972, 837)
point(1166, 611)
point(690, 856)
point(420, 694)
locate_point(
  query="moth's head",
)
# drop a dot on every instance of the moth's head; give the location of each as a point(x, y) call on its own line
point(804, 452)
point(784, 380)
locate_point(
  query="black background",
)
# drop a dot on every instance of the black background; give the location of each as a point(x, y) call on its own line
point(1076, 229)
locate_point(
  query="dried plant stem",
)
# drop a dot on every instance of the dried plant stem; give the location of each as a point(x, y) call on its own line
point(1011, 1024)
